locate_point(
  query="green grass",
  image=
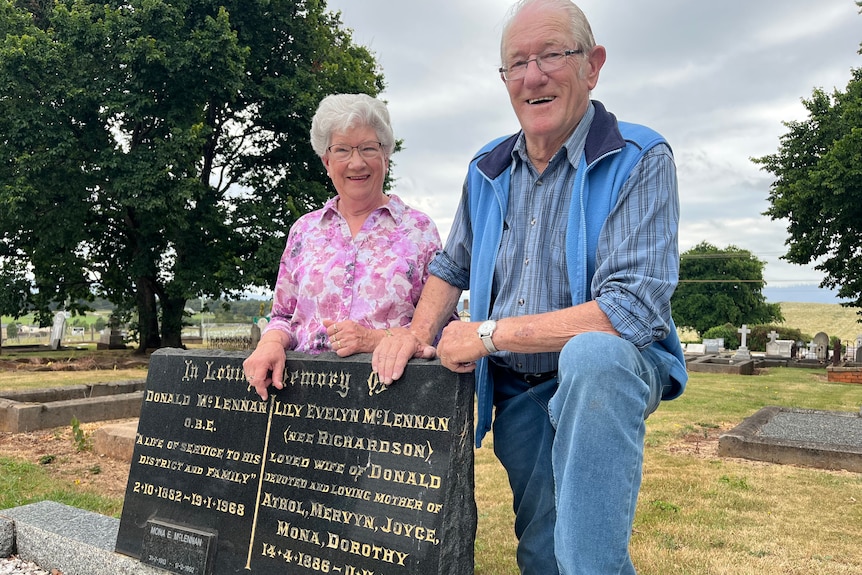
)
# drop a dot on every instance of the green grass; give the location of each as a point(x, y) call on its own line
point(22, 483)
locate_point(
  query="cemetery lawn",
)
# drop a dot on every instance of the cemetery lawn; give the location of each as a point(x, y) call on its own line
point(698, 514)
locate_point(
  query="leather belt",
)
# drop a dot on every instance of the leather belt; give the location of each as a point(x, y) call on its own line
point(531, 379)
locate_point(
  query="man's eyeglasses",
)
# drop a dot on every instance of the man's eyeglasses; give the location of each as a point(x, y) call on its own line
point(367, 150)
point(547, 62)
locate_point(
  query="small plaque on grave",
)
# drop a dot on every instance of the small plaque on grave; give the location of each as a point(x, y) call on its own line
point(178, 548)
point(335, 473)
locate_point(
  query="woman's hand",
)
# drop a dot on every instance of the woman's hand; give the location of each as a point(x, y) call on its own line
point(265, 366)
point(348, 337)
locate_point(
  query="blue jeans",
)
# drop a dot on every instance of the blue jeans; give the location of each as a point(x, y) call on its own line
point(573, 449)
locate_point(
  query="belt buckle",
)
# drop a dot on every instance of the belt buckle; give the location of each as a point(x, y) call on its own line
point(537, 378)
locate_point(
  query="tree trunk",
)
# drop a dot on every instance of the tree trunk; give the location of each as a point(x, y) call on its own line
point(148, 316)
point(173, 310)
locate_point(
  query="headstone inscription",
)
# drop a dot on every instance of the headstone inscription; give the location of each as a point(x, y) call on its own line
point(335, 473)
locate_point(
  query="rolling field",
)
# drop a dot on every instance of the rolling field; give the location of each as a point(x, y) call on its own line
point(832, 319)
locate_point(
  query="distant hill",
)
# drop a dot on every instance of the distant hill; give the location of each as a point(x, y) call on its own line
point(830, 318)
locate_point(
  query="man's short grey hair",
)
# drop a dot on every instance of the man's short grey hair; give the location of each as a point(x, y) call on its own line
point(342, 112)
point(580, 29)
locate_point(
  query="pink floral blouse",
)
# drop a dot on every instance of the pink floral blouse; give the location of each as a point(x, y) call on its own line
point(374, 279)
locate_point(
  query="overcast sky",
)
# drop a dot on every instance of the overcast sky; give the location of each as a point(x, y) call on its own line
point(717, 79)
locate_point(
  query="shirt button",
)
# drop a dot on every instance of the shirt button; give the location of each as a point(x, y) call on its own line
point(527, 262)
point(538, 182)
point(521, 301)
point(533, 222)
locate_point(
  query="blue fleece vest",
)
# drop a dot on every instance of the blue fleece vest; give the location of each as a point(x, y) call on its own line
point(611, 151)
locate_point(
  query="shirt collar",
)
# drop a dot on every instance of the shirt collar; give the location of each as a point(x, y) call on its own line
point(395, 207)
point(574, 145)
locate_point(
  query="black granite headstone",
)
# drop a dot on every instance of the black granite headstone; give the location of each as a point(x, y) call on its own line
point(336, 473)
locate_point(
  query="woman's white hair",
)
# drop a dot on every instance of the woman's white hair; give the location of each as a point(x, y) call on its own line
point(341, 112)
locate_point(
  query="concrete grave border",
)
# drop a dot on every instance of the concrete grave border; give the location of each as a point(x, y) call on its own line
point(746, 441)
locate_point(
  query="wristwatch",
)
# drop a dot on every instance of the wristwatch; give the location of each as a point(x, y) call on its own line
point(486, 331)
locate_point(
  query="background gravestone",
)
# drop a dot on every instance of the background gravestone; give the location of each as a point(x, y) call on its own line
point(713, 346)
point(58, 329)
point(336, 473)
point(821, 342)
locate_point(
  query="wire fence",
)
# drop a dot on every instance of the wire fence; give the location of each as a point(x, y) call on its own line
point(227, 336)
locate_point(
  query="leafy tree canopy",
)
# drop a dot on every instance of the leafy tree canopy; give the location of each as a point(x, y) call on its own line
point(155, 151)
point(818, 187)
point(719, 286)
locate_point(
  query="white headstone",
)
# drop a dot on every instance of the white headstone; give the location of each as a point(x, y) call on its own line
point(821, 341)
point(695, 349)
point(58, 330)
point(713, 345)
point(743, 331)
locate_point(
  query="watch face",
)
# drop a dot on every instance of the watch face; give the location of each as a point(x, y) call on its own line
point(487, 327)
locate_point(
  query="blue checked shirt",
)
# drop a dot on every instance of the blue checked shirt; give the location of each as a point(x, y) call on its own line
point(632, 287)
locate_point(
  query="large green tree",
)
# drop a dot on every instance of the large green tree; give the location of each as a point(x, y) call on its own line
point(818, 187)
point(155, 151)
point(719, 286)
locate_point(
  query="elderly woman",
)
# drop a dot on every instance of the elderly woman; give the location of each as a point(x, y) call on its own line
point(353, 270)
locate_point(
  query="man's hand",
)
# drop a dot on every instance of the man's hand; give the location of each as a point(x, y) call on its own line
point(392, 354)
point(460, 346)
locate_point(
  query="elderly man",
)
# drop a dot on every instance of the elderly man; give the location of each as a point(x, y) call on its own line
point(566, 237)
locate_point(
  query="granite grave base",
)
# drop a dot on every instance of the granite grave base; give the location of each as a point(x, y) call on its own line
point(335, 473)
point(814, 438)
point(71, 540)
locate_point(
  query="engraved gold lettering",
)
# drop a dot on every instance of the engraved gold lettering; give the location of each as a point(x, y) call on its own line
point(398, 501)
point(230, 475)
point(200, 424)
point(389, 418)
point(290, 531)
point(286, 459)
point(149, 441)
point(162, 397)
point(223, 372)
point(376, 552)
point(288, 480)
point(330, 466)
point(231, 404)
point(410, 530)
point(282, 503)
point(341, 516)
point(297, 436)
point(405, 477)
point(342, 414)
point(375, 445)
point(287, 409)
point(191, 371)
